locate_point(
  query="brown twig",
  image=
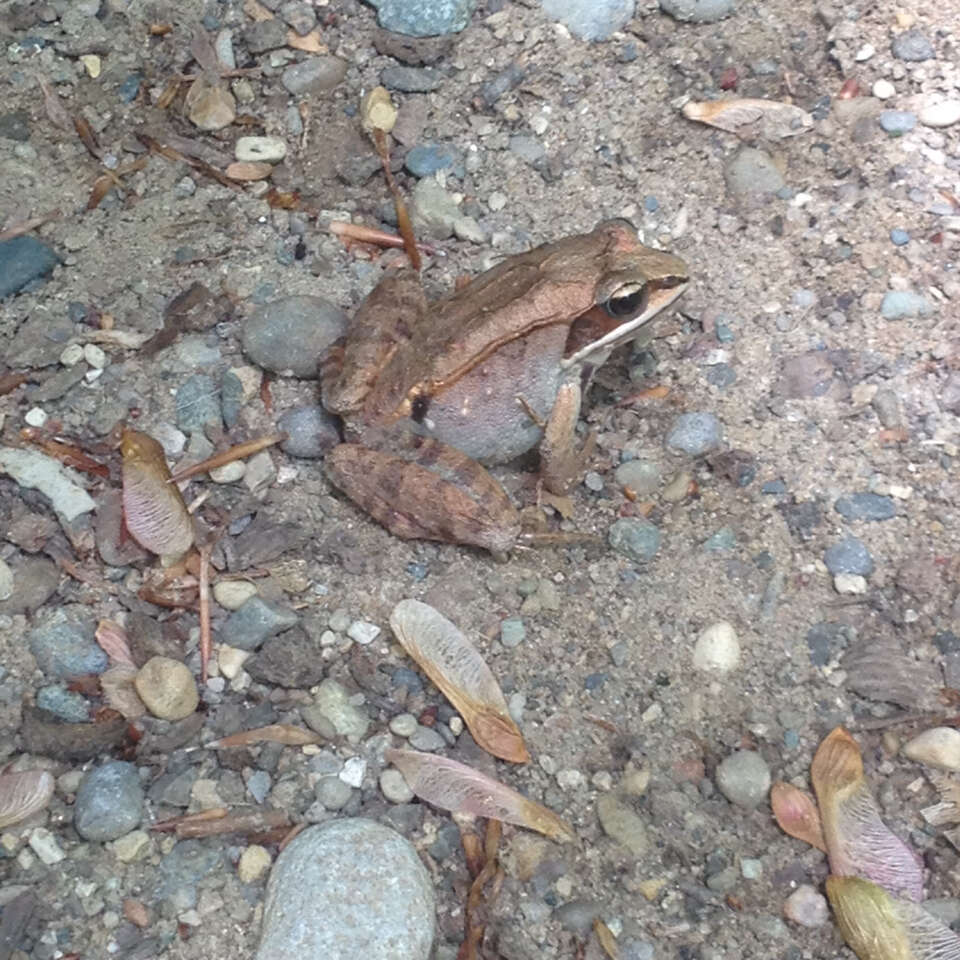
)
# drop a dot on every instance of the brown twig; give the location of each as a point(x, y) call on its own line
point(18, 229)
point(358, 233)
point(403, 217)
point(238, 452)
point(206, 642)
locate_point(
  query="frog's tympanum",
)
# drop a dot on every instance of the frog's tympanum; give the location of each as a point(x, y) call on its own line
point(429, 392)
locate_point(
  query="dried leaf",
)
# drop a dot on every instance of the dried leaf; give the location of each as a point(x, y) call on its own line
point(153, 508)
point(57, 113)
point(274, 733)
point(22, 794)
point(248, 171)
point(878, 669)
point(461, 789)
point(377, 110)
point(119, 692)
point(113, 639)
point(859, 843)
point(796, 814)
point(18, 229)
point(877, 926)
point(948, 809)
point(256, 11)
point(606, 938)
point(87, 137)
point(562, 504)
point(101, 187)
point(461, 674)
point(769, 119)
point(311, 43)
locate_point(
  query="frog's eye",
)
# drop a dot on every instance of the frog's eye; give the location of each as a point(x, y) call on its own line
point(627, 302)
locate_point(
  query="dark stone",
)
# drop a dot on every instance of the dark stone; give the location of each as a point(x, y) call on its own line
point(289, 660)
point(802, 519)
point(865, 506)
point(23, 259)
point(826, 640)
point(15, 126)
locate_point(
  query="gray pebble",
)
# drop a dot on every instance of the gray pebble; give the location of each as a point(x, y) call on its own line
point(897, 122)
point(403, 724)
point(635, 538)
point(865, 506)
point(744, 778)
point(512, 632)
point(333, 701)
point(63, 703)
point(849, 555)
point(825, 640)
point(641, 476)
point(752, 171)
point(695, 433)
point(697, 11)
point(198, 404)
point(333, 793)
point(23, 259)
point(425, 18)
point(265, 35)
point(35, 580)
point(65, 648)
point(377, 897)
point(256, 621)
point(527, 148)
point(313, 75)
point(425, 159)
point(299, 15)
point(183, 868)
point(259, 784)
point(912, 46)
point(899, 304)
point(591, 19)
point(395, 788)
point(109, 802)
point(231, 398)
point(410, 79)
point(426, 739)
point(291, 334)
point(311, 431)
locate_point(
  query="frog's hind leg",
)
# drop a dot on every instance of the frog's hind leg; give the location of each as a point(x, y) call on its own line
point(562, 461)
point(423, 489)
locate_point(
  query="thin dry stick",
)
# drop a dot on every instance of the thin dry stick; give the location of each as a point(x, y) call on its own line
point(403, 218)
point(18, 229)
point(206, 642)
point(239, 452)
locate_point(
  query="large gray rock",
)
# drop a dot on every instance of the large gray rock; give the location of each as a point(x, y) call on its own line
point(348, 888)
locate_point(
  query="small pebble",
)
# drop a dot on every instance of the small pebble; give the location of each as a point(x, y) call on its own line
point(621, 823)
point(353, 772)
point(362, 632)
point(94, 356)
point(333, 793)
point(849, 555)
point(131, 846)
point(260, 149)
point(717, 649)
point(512, 632)
point(35, 417)
point(198, 404)
point(883, 89)
point(23, 259)
point(697, 11)
point(65, 648)
point(744, 778)
point(938, 747)
point(233, 594)
point(635, 538)
point(425, 159)
point(254, 863)
point(394, 787)
point(46, 846)
point(66, 704)
point(333, 702)
point(640, 476)
point(403, 724)
point(427, 739)
point(229, 472)
point(167, 688)
point(72, 353)
point(898, 237)
point(425, 18)
point(943, 114)
point(314, 75)
point(253, 623)
point(850, 583)
point(109, 802)
point(807, 906)
point(898, 122)
point(901, 304)
point(591, 20)
point(865, 506)
point(912, 46)
point(230, 660)
point(694, 433)
point(311, 431)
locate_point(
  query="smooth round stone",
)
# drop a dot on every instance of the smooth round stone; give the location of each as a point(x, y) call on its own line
point(348, 888)
point(289, 335)
point(635, 538)
point(899, 238)
point(884, 90)
point(744, 778)
point(717, 649)
point(231, 660)
point(695, 433)
point(912, 46)
point(394, 787)
point(109, 802)
point(807, 906)
point(591, 19)
point(311, 431)
point(943, 114)
point(898, 122)
point(641, 476)
point(938, 747)
point(63, 703)
point(849, 555)
point(333, 793)
point(167, 688)
point(260, 150)
point(403, 724)
point(697, 11)
point(427, 739)
point(314, 75)
point(229, 472)
point(65, 649)
point(904, 304)
point(233, 594)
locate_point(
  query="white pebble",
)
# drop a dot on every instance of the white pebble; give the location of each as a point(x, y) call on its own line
point(806, 906)
point(72, 354)
point(231, 660)
point(865, 53)
point(849, 583)
point(884, 90)
point(362, 632)
point(93, 374)
point(569, 779)
point(353, 771)
point(44, 844)
point(233, 594)
point(942, 114)
point(229, 472)
point(717, 649)
point(253, 863)
point(35, 417)
point(394, 787)
point(260, 150)
point(94, 356)
point(938, 747)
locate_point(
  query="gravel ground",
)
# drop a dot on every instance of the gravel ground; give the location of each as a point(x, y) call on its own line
point(773, 542)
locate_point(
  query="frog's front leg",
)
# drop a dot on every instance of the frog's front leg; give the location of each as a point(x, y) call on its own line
point(562, 461)
point(423, 489)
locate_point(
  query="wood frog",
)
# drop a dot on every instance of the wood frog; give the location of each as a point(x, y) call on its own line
point(429, 393)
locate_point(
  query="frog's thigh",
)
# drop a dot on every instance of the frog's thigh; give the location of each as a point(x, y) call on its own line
point(427, 490)
point(561, 461)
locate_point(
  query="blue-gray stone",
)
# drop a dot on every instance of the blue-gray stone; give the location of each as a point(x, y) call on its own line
point(182, 869)
point(289, 335)
point(425, 159)
point(849, 555)
point(897, 122)
point(15, 125)
point(256, 621)
point(65, 649)
point(512, 632)
point(912, 45)
point(865, 506)
point(723, 331)
point(527, 148)
point(198, 404)
point(591, 19)
point(825, 640)
point(898, 237)
point(405, 677)
point(425, 18)
point(697, 11)
point(259, 783)
point(900, 304)
point(410, 79)
point(773, 488)
point(63, 703)
point(109, 802)
point(23, 259)
point(651, 204)
point(311, 431)
point(635, 538)
point(377, 897)
point(694, 433)
point(721, 542)
point(130, 87)
point(231, 398)
point(721, 375)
